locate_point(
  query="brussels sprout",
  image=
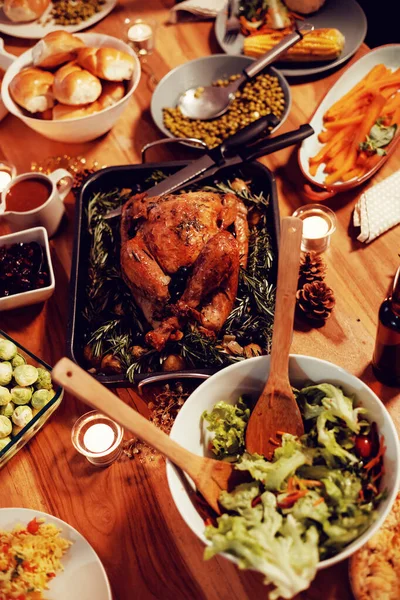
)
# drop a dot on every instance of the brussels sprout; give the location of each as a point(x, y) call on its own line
point(43, 381)
point(7, 350)
point(21, 416)
point(7, 410)
point(4, 442)
point(40, 398)
point(5, 373)
point(21, 395)
point(18, 360)
point(5, 396)
point(25, 375)
point(5, 426)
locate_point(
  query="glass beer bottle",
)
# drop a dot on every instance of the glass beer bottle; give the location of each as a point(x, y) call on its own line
point(386, 358)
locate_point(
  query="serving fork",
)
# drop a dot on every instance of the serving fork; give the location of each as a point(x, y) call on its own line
point(232, 26)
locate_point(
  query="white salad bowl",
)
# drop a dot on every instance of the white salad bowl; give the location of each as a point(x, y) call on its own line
point(6, 59)
point(82, 129)
point(248, 377)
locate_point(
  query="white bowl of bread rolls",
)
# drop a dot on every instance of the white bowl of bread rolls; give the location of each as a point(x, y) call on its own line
point(71, 88)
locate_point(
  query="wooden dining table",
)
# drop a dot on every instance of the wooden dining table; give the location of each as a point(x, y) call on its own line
point(126, 511)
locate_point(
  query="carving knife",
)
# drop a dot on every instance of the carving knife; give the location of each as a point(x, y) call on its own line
point(216, 157)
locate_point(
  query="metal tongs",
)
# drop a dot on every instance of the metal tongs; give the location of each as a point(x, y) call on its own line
point(233, 151)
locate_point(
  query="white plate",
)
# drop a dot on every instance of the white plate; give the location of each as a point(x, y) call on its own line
point(34, 30)
point(84, 577)
point(345, 15)
point(389, 55)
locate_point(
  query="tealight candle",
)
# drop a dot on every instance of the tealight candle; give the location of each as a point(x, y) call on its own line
point(140, 35)
point(7, 173)
point(319, 222)
point(98, 438)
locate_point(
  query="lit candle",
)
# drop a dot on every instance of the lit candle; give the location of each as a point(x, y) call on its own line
point(7, 173)
point(141, 36)
point(139, 32)
point(98, 438)
point(319, 222)
point(315, 227)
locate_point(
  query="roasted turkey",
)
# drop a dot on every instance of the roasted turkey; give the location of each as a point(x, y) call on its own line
point(160, 235)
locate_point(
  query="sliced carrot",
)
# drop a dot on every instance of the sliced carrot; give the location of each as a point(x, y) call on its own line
point(339, 123)
point(374, 461)
point(356, 172)
point(319, 501)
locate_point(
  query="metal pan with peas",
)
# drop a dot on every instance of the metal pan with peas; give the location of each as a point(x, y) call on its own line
point(268, 92)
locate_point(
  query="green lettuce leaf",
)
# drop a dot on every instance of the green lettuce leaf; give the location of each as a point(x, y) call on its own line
point(326, 437)
point(277, 547)
point(228, 422)
point(305, 508)
point(338, 404)
point(289, 457)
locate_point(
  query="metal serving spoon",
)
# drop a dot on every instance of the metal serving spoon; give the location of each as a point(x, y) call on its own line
point(212, 101)
point(210, 476)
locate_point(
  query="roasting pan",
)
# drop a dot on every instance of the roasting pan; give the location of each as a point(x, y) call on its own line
point(127, 176)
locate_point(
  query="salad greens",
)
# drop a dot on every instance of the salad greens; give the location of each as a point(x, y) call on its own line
point(317, 495)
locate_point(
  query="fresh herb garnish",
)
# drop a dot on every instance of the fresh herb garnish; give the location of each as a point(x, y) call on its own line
point(379, 137)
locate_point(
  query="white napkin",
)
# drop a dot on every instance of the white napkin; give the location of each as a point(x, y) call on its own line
point(378, 209)
point(198, 8)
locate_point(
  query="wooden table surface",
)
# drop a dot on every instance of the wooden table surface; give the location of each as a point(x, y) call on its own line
point(126, 511)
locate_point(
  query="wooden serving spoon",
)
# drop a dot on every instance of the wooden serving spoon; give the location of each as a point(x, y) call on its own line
point(210, 476)
point(276, 409)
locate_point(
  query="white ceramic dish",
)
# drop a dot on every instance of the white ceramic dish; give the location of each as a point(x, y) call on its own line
point(389, 55)
point(5, 61)
point(248, 377)
point(84, 577)
point(82, 129)
point(39, 235)
point(37, 29)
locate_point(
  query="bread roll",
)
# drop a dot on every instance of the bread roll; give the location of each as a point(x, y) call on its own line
point(73, 85)
point(24, 10)
point(107, 63)
point(112, 93)
point(32, 89)
point(55, 48)
point(62, 112)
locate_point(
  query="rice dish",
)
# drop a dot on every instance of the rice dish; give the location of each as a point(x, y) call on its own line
point(30, 556)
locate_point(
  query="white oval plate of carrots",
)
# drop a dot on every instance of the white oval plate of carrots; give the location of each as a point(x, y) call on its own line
point(357, 125)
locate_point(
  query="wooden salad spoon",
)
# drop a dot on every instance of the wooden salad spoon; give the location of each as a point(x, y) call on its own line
point(210, 476)
point(276, 409)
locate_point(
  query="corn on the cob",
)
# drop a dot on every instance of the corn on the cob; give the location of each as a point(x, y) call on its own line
point(320, 44)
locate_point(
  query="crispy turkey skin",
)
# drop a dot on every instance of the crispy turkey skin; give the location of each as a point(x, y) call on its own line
point(162, 234)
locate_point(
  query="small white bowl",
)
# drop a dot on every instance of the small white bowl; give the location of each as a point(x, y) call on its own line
point(6, 59)
point(82, 129)
point(248, 377)
point(39, 235)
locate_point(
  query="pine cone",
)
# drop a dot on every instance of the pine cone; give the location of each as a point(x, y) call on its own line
point(315, 301)
point(312, 268)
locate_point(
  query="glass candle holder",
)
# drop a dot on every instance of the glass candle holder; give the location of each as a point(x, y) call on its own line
point(98, 438)
point(319, 222)
point(7, 173)
point(140, 35)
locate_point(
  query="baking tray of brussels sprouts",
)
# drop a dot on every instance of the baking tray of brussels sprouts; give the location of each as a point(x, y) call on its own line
point(108, 332)
point(27, 396)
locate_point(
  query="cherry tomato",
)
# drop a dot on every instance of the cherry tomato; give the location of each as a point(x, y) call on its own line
point(363, 446)
point(33, 526)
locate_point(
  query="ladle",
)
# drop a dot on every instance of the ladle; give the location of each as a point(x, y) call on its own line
point(212, 101)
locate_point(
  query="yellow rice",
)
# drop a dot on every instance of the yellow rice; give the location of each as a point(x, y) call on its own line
point(28, 561)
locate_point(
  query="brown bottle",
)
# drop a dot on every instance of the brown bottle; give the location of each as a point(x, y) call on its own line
point(386, 359)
